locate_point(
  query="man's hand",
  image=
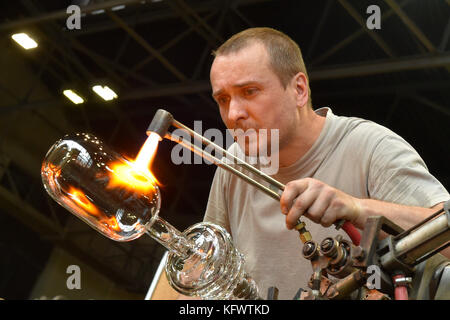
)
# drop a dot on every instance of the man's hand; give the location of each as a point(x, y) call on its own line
point(317, 201)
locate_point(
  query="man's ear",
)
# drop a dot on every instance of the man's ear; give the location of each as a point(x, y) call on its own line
point(302, 89)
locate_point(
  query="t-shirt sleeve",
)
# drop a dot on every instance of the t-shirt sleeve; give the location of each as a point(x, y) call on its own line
point(398, 174)
point(216, 209)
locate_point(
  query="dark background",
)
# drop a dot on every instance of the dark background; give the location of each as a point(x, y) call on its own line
point(157, 54)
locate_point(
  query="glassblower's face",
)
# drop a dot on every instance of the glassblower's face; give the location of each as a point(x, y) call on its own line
point(251, 96)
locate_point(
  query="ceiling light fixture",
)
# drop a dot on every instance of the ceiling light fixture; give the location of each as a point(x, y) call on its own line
point(105, 92)
point(24, 40)
point(72, 96)
point(117, 8)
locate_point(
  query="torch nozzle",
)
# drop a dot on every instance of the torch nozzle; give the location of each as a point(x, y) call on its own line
point(160, 123)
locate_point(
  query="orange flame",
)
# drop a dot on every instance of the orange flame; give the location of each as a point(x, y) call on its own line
point(147, 153)
point(81, 200)
point(132, 174)
point(136, 174)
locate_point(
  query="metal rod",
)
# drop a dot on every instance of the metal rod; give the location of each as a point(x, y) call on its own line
point(405, 233)
point(432, 253)
point(252, 169)
point(414, 242)
point(221, 164)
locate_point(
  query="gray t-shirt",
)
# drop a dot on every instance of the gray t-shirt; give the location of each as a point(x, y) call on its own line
point(357, 156)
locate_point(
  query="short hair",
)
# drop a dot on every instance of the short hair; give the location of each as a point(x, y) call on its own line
point(285, 56)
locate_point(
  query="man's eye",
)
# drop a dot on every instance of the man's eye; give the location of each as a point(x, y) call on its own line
point(250, 91)
point(222, 100)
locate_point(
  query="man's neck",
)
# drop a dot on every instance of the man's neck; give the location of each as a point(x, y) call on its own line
point(305, 135)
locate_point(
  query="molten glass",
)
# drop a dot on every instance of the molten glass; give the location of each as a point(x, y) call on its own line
point(120, 199)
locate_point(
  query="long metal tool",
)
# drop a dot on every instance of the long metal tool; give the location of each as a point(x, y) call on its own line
point(163, 120)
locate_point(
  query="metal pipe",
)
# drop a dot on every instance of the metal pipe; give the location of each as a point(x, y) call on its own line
point(221, 164)
point(344, 287)
point(418, 243)
point(228, 155)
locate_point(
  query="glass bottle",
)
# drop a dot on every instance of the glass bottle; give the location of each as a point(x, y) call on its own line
point(122, 202)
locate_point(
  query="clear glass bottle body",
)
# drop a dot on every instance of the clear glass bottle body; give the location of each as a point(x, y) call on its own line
point(81, 174)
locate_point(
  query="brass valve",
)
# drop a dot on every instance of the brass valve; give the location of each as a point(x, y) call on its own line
point(305, 236)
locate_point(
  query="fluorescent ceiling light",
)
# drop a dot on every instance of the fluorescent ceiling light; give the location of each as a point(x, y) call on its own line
point(105, 92)
point(119, 7)
point(24, 40)
point(72, 96)
point(98, 11)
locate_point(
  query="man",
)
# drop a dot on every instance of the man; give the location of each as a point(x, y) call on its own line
point(333, 167)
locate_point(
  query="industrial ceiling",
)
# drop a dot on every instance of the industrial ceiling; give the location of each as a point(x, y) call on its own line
point(157, 54)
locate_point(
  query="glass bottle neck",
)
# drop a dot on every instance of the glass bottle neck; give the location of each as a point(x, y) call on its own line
point(170, 237)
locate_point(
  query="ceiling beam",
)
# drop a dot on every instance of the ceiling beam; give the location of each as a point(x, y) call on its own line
point(383, 45)
point(431, 104)
point(380, 67)
point(342, 43)
point(318, 29)
point(62, 14)
point(107, 25)
point(445, 37)
point(197, 25)
point(166, 46)
point(366, 68)
point(191, 87)
point(411, 26)
point(204, 24)
point(415, 30)
point(139, 39)
point(399, 89)
point(325, 73)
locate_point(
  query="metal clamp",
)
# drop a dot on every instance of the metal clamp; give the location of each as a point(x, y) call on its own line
point(403, 281)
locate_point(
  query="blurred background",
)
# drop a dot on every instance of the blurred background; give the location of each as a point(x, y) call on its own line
point(157, 54)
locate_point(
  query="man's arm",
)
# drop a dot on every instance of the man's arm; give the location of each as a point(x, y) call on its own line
point(325, 205)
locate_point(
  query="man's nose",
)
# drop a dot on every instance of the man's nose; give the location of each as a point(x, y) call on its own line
point(237, 111)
